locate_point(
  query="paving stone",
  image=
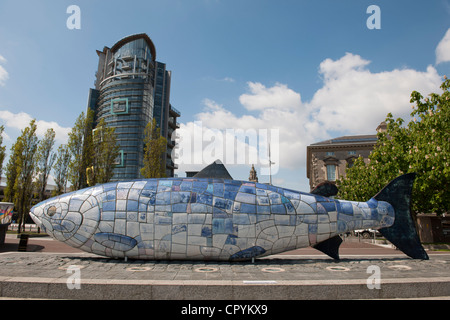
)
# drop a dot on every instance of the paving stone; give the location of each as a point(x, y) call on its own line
point(38, 275)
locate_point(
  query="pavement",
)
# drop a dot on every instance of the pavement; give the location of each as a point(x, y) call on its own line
point(52, 270)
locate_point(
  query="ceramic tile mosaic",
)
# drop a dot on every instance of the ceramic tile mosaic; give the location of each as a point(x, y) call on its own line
point(204, 219)
point(6, 209)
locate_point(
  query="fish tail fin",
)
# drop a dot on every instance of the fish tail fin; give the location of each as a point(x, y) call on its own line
point(402, 233)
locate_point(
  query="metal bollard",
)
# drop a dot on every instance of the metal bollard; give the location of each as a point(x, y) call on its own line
point(23, 242)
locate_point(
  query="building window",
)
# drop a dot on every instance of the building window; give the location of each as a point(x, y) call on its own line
point(331, 172)
point(330, 154)
point(352, 153)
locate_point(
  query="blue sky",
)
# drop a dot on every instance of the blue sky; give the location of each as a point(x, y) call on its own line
point(310, 69)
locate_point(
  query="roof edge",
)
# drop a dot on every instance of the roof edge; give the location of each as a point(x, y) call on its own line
point(133, 37)
point(348, 140)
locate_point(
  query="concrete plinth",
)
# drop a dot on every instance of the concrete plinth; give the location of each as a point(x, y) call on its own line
point(53, 275)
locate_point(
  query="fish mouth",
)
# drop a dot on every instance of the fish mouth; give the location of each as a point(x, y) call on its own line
point(35, 218)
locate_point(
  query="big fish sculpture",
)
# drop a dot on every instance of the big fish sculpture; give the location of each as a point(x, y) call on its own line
point(219, 219)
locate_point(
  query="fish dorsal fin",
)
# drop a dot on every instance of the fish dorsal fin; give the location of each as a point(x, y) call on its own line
point(215, 170)
point(330, 247)
point(325, 189)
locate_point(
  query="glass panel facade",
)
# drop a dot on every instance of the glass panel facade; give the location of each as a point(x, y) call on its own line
point(126, 103)
point(132, 89)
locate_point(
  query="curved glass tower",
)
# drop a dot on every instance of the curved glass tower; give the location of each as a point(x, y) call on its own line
point(131, 89)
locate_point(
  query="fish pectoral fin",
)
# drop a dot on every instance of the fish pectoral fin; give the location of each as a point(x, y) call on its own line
point(248, 253)
point(115, 241)
point(330, 247)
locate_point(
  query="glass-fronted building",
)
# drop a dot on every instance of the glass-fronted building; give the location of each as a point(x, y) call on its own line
point(132, 89)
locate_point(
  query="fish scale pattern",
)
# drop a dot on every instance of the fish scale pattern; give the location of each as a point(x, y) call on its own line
point(200, 219)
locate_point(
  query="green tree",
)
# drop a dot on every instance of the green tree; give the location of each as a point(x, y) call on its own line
point(106, 151)
point(429, 151)
point(61, 169)
point(44, 162)
point(154, 148)
point(12, 171)
point(422, 146)
point(21, 170)
point(81, 149)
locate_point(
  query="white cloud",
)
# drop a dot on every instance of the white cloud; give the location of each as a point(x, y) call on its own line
point(201, 143)
point(224, 79)
point(443, 49)
point(6, 137)
point(278, 96)
point(353, 100)
point(228, 79)
point(3, 73)
point(332, 70)
point(21, 120)
point(276, 117)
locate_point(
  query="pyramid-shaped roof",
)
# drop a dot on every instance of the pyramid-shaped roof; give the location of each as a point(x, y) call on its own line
point(215, 170)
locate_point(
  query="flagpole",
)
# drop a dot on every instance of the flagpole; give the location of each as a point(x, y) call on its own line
point(270, 167)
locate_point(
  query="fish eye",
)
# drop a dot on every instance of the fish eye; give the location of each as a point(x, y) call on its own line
point(51, 211)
